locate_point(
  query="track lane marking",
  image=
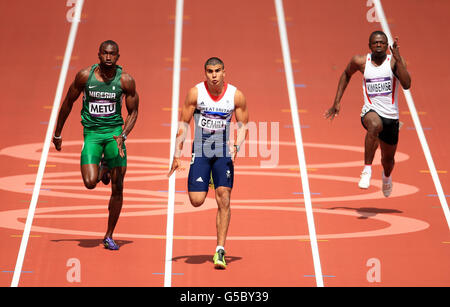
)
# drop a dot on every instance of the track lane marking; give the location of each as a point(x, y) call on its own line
point(45, 149)
point(173, 134)
point(298, 139)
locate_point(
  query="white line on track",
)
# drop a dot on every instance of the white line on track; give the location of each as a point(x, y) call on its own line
point(416, 120)
point(298, 140)
point(48, 138)
point(173, 133)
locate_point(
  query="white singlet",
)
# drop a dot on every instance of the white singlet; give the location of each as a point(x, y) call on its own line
point(213, 116)
point(380, 87)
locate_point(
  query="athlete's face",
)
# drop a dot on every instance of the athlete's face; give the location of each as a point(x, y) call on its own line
point(378, 44)
point(215, 74)
point(108, 55)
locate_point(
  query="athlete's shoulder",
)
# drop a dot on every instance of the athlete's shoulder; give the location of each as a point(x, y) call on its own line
point(84, 72)
point(359, 59)
point(357, 63)
point(231, 87)
point(126, 77)
point(239, 98)
point(82, 76)
point(191, 97)
point(193, 92)
point(393, 61)
point(199, 86)
point(238, 92)
point(127, 82)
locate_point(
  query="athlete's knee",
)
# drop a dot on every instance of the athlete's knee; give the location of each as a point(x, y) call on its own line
point(373, 123)
point(224, 205)
point(223, 197)
point(89, 175)
point(374, 127)
point(197, 200)
point(90, 183)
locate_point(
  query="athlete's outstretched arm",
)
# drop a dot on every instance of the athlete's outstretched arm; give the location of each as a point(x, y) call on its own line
point(187, 112)
point(132, 104)
point(355, 64)
point(72, 95)
point(241, 113)
point(400, 66)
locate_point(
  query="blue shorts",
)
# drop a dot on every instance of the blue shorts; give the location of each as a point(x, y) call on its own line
point(201, 169)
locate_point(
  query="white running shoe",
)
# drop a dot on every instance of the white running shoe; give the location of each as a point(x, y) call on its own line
point(364, 182)
point(387, 185)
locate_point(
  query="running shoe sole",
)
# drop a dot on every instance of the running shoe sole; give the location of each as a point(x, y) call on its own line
point(219, 260)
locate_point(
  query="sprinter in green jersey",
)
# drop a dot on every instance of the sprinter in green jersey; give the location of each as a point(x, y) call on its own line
point(103, 156)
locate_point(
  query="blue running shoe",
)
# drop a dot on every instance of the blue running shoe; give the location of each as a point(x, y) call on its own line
point(110, 244)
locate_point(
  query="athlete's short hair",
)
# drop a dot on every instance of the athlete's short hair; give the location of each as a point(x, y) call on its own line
point(108, 42)
point(377, 33)
point(214, 61)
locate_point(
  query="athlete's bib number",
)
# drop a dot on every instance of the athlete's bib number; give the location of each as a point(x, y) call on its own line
point(381, 86)
point(214, 124)
point(102, 108)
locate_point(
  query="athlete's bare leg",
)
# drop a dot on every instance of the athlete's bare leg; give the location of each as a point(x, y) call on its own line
point(116, 199)
point(197, 198)
point(387, 157)
point(89, 172)
point(223, 213)
point(374, 125)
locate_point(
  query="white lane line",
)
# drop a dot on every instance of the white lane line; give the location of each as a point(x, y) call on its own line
point(417, 124)
point(298, 140)
point(173, 134)
point(48, 138)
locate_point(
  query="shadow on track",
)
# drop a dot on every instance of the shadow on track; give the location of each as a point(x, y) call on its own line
point(367, 212)
point(90, 243)
point(199, 259)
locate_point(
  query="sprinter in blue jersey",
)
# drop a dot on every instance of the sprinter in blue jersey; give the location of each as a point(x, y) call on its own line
point(212, 104)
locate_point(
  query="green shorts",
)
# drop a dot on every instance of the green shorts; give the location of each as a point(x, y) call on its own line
point(98, 142)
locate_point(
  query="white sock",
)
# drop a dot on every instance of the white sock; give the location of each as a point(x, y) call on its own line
point(386, 179)
point(219, 247)
point(368, 169)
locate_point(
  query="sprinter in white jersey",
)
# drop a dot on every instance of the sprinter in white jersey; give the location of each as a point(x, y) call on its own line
point(212, 104)
point(379, 116)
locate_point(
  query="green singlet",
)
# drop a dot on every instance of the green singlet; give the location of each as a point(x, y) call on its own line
point(101, 117)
